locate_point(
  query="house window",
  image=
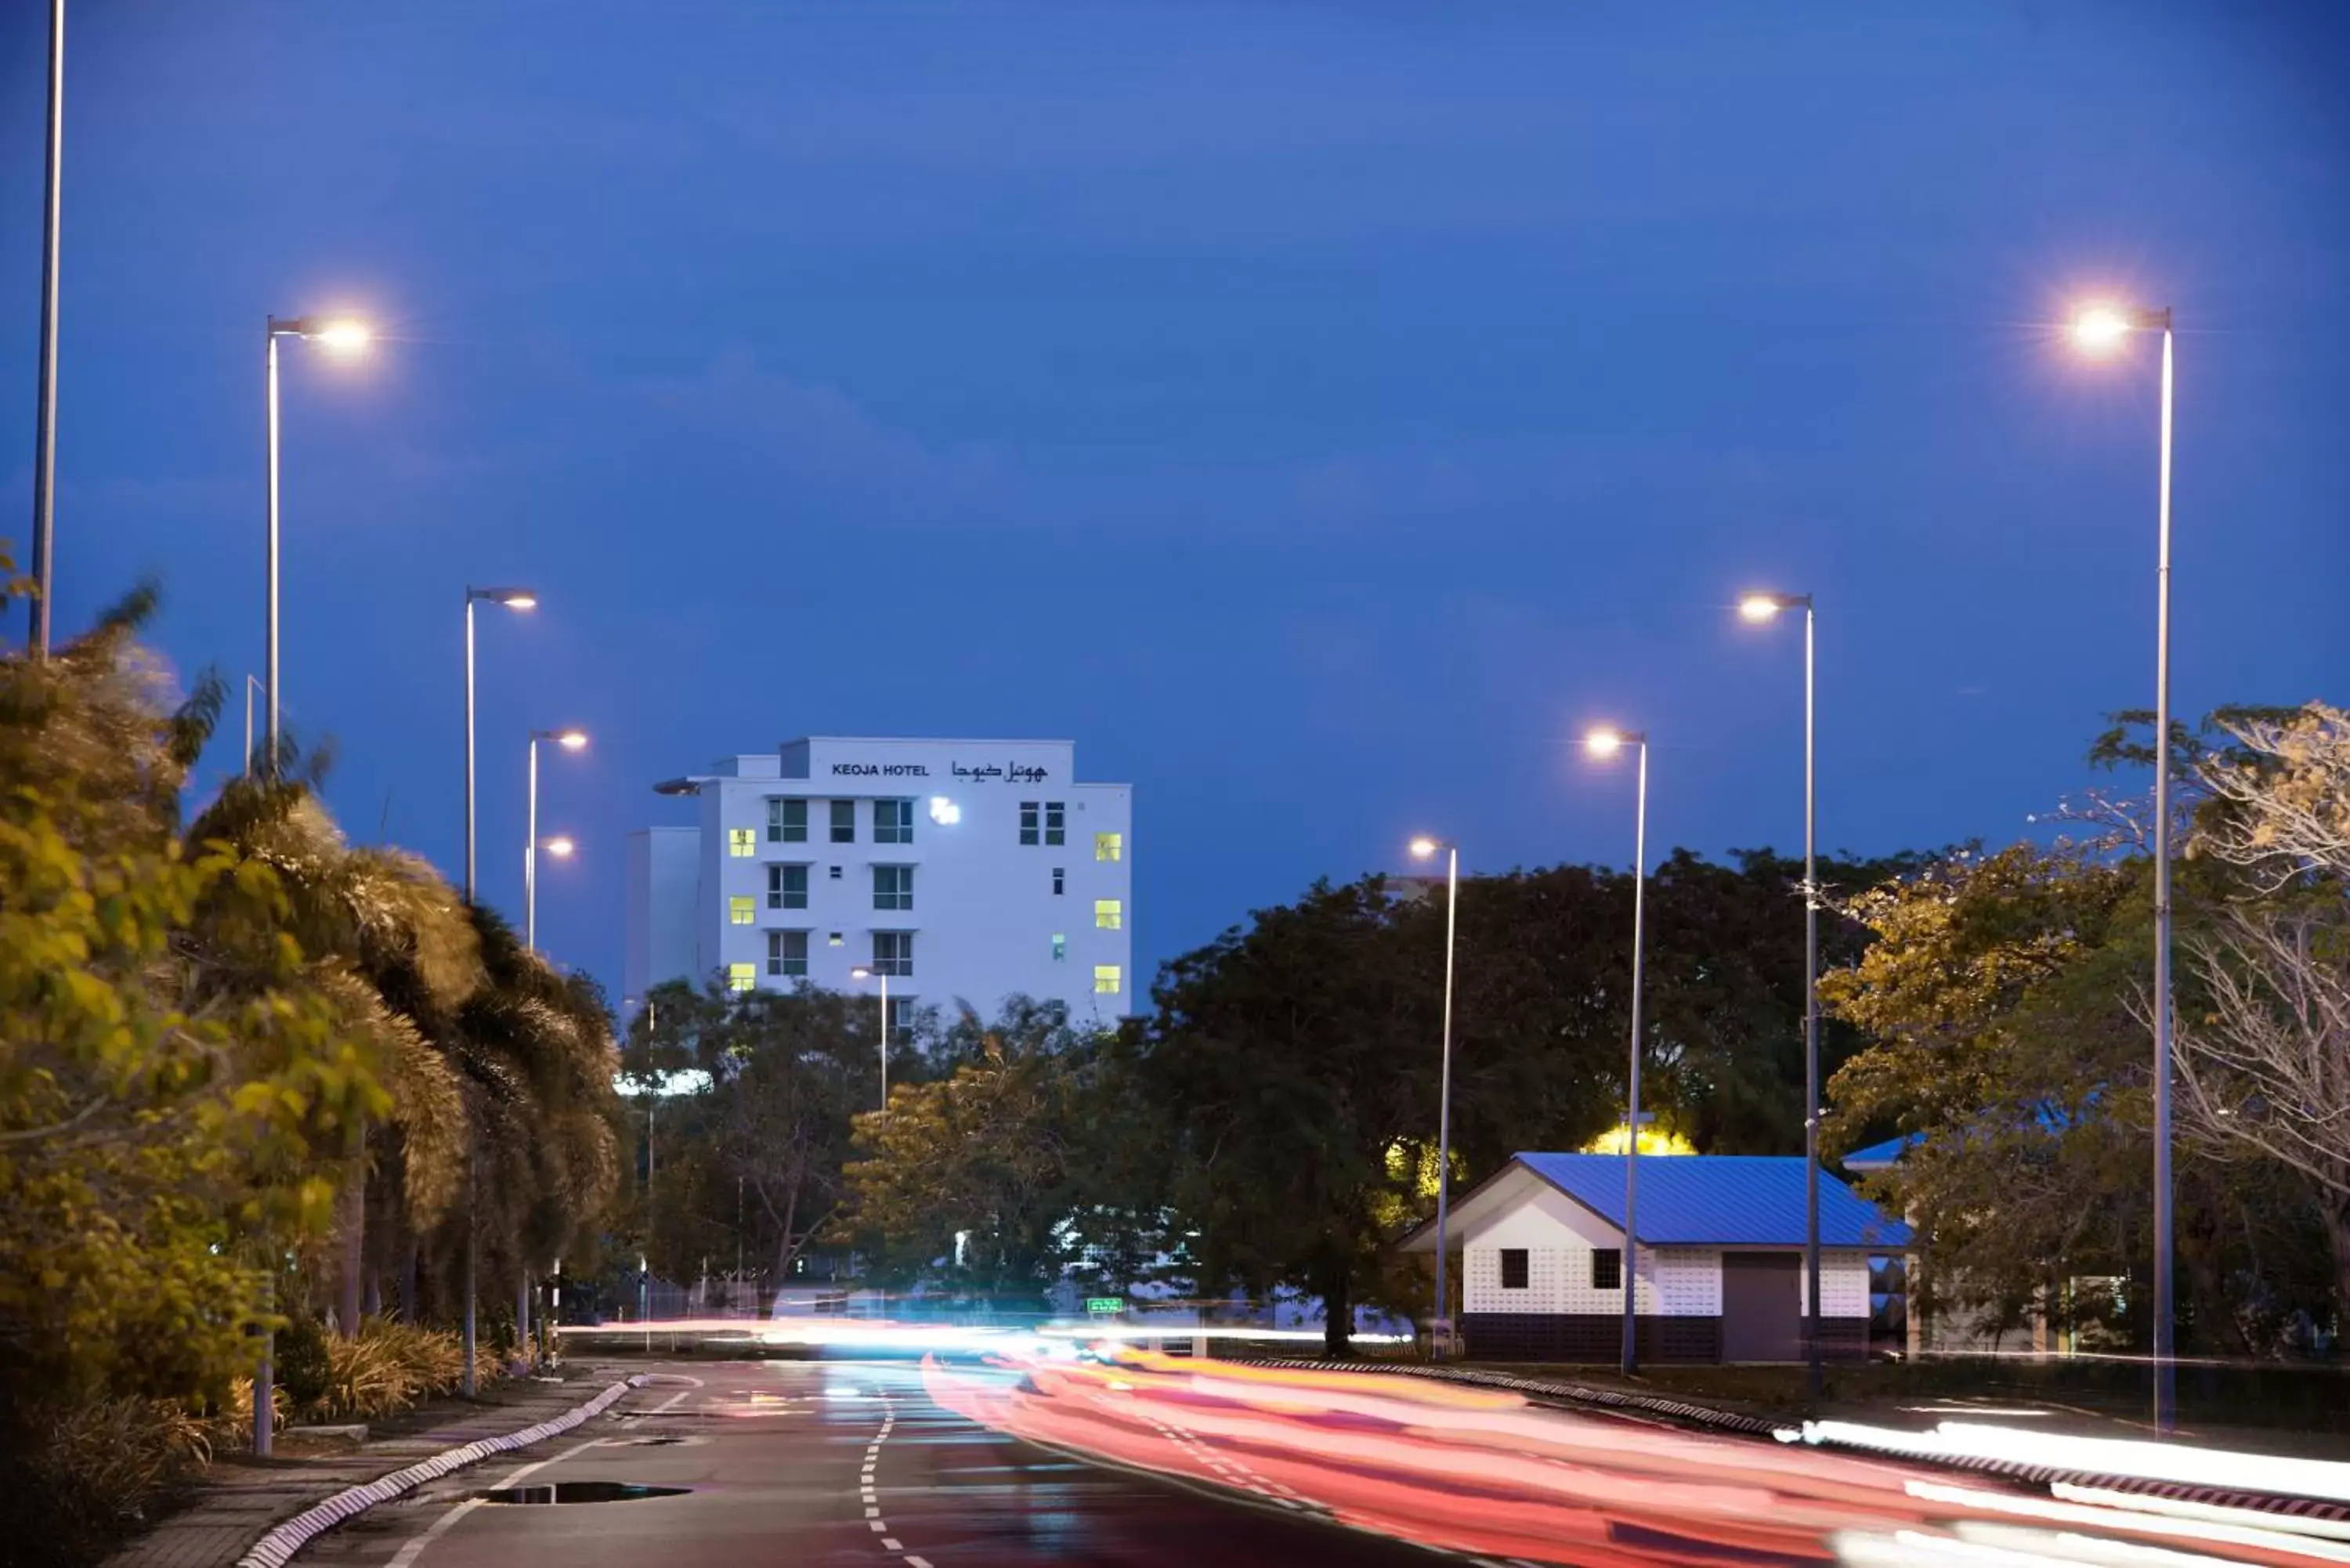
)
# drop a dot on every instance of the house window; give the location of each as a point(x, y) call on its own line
point(741, 909)
point(787, 821)
point(1109, 846)
point(893, 952)
point(1608, 1268)
point(1060, 876)
point(1514, 1268)
point(1060, 947)
point(893, 822)
point(844, 822)
point(1109, 914)
point(740, 976)
point(787, 953)
point(836, 873)
point(893, 886)
point(833, 940)
point(1028, 809)
point(1106, 980)
point(1056, 823)
point(788, 887)
point(742, 843)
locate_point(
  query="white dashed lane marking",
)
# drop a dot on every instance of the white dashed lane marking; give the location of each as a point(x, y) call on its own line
point(869, 1494)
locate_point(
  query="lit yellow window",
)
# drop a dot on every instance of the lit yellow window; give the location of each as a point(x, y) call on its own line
point(740, 909)
point(1108, 914)
point(742, 976)
point(1106, 979)
point(742, 842)
point(1109, 846)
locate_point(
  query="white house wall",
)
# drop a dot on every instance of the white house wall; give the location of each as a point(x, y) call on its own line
point(1672, 1281)
point(1844, 1285)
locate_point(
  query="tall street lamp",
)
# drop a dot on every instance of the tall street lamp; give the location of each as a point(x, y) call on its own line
point(2101, 329)
point(514, 600)
point(1606, 742)
point(338, 336)
point(1423, 848)
point(877, 973)
point(45, 418)
point(570, 741)
point(1760, 608)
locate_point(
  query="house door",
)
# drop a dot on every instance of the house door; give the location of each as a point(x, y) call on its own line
point(1762, 1307)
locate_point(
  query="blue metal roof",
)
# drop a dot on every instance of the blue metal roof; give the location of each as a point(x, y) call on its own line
point(1877, 1156)
point(1720, 1199)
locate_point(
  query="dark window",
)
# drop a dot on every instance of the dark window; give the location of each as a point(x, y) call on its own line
point(893, 952)
point(788, 887)
point(1028, 822)
point(787, 953)
point(1056, 823)
point(1608, 1268)
point(893, 822)
point(1060, 875)
point(787, 821)
point(1514, 1268)
point(844, 822)
point(836, 873)
point(893, 886)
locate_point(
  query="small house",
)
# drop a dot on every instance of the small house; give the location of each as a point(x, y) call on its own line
point(1720, 1265)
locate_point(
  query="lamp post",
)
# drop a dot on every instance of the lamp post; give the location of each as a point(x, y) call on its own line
point(862, 972)
point(1760, 608)
point(45, 418)
point(336, 336)
point(570, 741)
point(1606, 742)
point(1424, 849)
point(2101, 329)
point(513, 599)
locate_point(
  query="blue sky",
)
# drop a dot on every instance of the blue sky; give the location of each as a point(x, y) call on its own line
point(1318, 412)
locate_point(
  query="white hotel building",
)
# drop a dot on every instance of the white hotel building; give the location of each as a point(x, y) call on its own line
point(957, 869)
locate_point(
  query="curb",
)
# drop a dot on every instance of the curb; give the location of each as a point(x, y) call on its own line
point(2021, 1471)
point(274, 1549)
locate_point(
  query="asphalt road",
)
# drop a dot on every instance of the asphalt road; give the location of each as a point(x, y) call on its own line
point(835, 1463)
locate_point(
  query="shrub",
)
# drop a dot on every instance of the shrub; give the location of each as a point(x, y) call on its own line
point(301, 1361)
point(92, 1474)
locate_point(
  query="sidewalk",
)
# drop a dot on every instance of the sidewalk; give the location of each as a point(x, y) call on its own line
point(242, 1498)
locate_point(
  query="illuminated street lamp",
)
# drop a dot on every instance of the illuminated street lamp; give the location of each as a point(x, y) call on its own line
point(862, 972)
point(1606, 743)
point(2100, 329)
point(570, 741)
point(1425, 848)
point(336, 336)
point(1760, 608)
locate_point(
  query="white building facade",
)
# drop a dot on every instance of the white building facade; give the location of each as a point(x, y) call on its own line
point(969, 869)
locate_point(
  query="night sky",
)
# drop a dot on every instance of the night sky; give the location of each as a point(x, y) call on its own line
point(1318, 412)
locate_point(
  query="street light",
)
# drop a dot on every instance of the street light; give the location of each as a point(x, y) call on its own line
point(514, 600)
point(1606, 742)
point(1423, 848)
point(1760, 608)
point(336, 336)
point(570, 741)
point(2100, 329)
point(862, 972)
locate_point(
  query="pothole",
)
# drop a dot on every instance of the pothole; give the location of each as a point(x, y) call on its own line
point(579, 1491)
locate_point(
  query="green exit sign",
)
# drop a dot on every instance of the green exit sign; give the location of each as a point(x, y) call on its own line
point(1105, 1304)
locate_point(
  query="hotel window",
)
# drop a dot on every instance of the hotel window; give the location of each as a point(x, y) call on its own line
point(788, 887)
point(1109, 846)
point(787, 821)
point(893, 952)
point(1060, 876)
point(1028, 809)
point(742, 976)
point(1060, 947)
point(1514, 1268)
point(833, 940)
point(1056, 823)
point(1108, 914)
point(787, 953)
point(742, 910)
point(893, 886)
point(844, 822)
point(1106, 979)
point(893, 822)
point(1608, 1268)
point(742, 843)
